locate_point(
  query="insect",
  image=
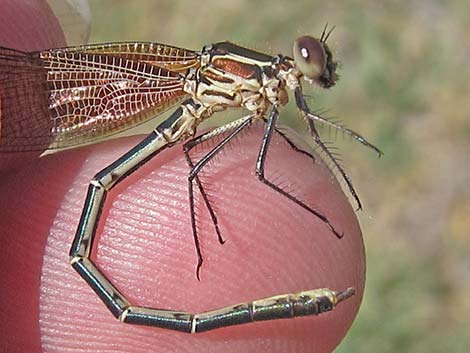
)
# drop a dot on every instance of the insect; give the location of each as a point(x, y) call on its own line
point(67, 97)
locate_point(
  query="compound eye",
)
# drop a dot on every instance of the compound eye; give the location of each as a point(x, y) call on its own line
point(310, 57)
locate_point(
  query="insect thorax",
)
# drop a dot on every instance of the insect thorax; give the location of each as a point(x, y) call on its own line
point(230, 80)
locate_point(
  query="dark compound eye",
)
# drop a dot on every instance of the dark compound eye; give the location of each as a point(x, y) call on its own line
point(310, 57)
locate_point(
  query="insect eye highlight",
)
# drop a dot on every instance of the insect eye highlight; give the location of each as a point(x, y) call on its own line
point(310, 57)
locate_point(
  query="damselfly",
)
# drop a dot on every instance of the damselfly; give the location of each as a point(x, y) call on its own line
point(61, 98)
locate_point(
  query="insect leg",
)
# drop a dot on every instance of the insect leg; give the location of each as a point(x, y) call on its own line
point(237, 126)
point(294, 146)
point(268, 132)
point(330, 159)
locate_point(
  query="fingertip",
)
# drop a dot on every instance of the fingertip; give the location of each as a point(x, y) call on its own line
point(29, 25)
point(29, 202)
point(145, 246)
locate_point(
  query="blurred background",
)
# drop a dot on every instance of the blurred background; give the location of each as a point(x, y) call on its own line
point(405, 84)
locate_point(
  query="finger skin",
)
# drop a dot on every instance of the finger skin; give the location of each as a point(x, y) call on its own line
point(24, 25)
point(145, 246)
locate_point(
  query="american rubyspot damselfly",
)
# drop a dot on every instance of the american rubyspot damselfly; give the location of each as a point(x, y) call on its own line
point(68, 97)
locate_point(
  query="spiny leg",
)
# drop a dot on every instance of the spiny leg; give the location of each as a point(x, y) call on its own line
point(346, 131)
point(268, 132)
point(332, 162)
point(294, 146)
point(237, 127)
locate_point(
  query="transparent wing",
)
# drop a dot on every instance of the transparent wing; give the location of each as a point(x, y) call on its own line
point(66, 97)
point(156, 54)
